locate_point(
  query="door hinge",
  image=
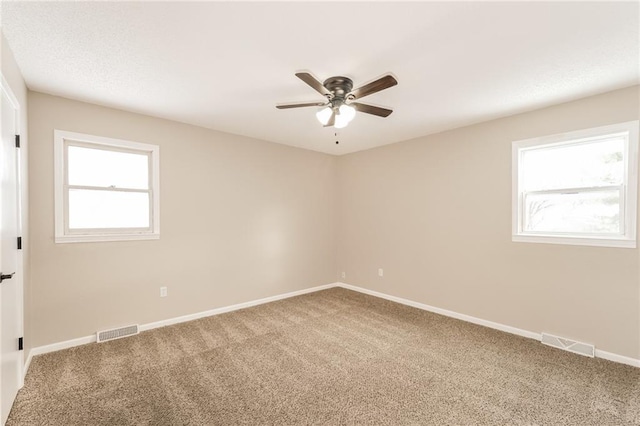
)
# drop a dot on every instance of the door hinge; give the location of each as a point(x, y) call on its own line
point(20, 344)
point(17, 141)
point(19, 243)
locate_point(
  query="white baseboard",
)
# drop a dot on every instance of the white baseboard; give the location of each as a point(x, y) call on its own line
point(25, 367)
point(506, 328)
point(57, 347)
point(91, 339)
point(231, 308)
point(618, 358)
point(445, 312)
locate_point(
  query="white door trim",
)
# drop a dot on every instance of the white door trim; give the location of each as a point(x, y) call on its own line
point(4, 87)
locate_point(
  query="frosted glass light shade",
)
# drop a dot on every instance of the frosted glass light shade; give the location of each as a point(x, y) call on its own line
point(323, 115)
point(348, 112)
point(345, 115)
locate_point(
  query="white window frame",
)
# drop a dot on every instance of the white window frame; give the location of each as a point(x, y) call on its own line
point(62, 139)
point(629, 188)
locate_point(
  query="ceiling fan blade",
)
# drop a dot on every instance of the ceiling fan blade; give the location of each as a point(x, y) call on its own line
point(332, 119)
point(370, 109)
point(314, 83)
point(375, 86)
point(300, 105)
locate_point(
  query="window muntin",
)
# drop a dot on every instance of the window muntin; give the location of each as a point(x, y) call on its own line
point(106, 189)
point(577, 188)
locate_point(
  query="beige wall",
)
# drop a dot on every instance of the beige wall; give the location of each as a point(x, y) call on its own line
point(244, 219)
point(13, 76)
point(241, 219)
point(435, 213)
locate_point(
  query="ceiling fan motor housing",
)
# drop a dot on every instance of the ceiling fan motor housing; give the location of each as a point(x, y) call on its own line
point(339, 86)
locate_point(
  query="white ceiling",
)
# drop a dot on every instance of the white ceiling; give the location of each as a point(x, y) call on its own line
point(225, 65)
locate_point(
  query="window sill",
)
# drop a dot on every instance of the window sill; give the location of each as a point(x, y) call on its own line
point(575, 241)
point(104, 237)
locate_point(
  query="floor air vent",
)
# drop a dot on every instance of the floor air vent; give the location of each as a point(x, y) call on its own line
point(568, 345)
point(117, 333)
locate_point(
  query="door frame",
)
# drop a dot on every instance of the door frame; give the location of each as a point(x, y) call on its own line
point(6, 89)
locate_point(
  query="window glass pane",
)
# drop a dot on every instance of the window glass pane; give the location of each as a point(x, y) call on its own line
point(596, 212)
point(89, 209)
point(98, 167)
point(598, 163)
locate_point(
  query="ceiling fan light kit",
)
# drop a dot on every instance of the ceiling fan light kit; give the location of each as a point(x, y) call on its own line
point(343, 115)
point(339, 108)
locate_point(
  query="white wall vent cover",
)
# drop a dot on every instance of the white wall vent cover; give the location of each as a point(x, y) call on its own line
point(116, 333)
point(568, 345)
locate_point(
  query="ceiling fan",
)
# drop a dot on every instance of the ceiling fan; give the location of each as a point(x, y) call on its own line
point(339, 107)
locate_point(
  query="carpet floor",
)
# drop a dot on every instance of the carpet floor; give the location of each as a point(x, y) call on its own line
point(334, 357)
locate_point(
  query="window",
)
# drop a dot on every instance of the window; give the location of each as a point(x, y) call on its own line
point(105, 189)
point(577, 188)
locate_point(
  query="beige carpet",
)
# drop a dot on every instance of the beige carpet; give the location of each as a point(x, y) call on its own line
point(332, 357)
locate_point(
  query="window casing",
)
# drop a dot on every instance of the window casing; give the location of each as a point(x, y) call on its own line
point(105, 189)
point(577, 188)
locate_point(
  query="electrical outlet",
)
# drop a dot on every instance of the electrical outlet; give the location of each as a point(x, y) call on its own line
point(344, 275)
point(163, 292)
point(380, 272)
